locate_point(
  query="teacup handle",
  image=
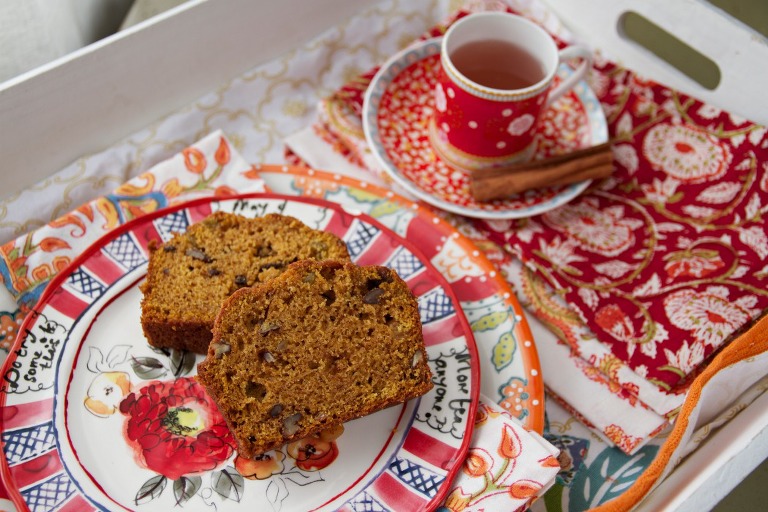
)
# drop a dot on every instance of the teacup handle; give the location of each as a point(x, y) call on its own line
point(565, 54)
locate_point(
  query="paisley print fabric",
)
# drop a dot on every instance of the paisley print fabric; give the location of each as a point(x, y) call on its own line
point(664, 261)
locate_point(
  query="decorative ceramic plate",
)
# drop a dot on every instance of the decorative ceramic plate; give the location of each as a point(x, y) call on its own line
point(93, 418)
point(398, 105)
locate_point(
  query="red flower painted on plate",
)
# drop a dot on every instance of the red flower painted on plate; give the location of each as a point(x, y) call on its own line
point(262, 466)
point(175, 429)
point(313, 453)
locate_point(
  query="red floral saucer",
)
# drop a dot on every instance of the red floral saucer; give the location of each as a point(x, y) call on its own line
point(398, 105)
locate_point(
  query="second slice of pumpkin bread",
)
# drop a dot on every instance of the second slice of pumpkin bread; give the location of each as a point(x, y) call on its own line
point(190, 275)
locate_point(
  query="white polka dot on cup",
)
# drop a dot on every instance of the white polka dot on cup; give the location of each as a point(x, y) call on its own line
point(521, 125)
point(440, 101)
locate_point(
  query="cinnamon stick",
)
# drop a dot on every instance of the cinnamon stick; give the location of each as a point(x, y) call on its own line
point(585, 157)
point(502, 186)
point(591, 163)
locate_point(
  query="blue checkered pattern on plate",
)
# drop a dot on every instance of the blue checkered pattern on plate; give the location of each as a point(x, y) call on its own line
point(416, 477)
point(169, 225)
point(435, 305)
point(359, 236)
point(404, 263)
point(125, 251)
point(85, 283)
point(364, 502)
point(29, 442)
point(46, 495)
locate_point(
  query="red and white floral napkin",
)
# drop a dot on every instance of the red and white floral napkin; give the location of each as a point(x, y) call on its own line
point(646, 275)
point(664, 261)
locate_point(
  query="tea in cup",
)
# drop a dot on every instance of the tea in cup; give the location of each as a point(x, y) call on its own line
point(495, 81)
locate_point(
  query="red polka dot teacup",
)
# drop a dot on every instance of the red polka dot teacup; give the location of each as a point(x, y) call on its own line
point(495, 81)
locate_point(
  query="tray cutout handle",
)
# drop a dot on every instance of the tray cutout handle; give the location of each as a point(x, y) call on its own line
point(638, 29)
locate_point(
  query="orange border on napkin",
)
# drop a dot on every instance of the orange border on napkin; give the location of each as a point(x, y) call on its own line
point(750, 344)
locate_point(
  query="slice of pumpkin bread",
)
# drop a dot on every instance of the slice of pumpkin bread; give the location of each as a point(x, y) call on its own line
point(321, 344)
point(190, 275)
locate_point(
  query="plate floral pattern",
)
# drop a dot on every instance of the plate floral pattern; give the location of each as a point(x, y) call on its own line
point(94, 418)
point(396, 110)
